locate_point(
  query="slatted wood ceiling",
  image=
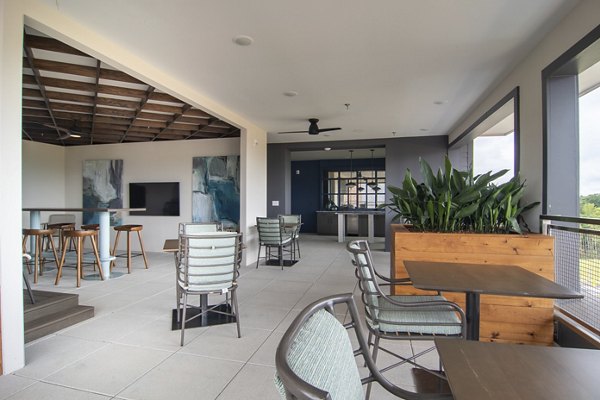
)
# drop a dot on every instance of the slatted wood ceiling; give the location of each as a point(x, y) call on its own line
point(68, 89)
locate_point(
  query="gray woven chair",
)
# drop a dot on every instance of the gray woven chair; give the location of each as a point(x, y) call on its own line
point(208, 264)
point(315, 358)
point(292, 224)
point(272, 236)
point(402, 317)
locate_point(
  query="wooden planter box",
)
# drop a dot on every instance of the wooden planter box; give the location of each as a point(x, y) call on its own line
point(503, 319)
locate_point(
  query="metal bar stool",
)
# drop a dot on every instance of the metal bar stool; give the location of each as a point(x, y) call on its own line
point(79, 237)
point(128, 254)
point(38, 257)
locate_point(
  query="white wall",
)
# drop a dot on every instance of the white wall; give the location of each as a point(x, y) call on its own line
point(43, 177)
point(528, 75)
point(147, 162)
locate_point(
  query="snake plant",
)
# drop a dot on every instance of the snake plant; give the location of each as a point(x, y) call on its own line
point(457, 201)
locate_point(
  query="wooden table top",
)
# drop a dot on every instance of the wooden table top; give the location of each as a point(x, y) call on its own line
point(479, 370)
point(484, 279)
point(171, 245)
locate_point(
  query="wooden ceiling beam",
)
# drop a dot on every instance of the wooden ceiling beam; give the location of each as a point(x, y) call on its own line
point(138, 111)
point(193, 120)
point(162, 108)
point(86, 86)
point(158, 96)
point(83, 70)
point(36, 74)
point(194, 112)
point(96, 83)
point(173, 120)
point(149, 124)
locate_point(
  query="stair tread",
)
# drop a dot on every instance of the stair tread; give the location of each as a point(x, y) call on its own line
point(57, 317)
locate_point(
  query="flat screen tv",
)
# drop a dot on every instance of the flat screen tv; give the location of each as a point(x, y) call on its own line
point(158, 198)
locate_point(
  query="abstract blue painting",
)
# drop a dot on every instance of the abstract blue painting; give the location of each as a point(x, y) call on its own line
point(102, 187)
point(216, 190)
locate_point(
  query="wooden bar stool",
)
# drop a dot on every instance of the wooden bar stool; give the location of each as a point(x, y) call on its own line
point(78, 236)
point(128, 254)
point(59, 228)
point(38, 256)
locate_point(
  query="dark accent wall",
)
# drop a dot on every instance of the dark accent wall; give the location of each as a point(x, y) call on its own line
point(307, 189)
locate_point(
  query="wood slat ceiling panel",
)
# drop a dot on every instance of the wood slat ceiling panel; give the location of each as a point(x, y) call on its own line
point(66, 88)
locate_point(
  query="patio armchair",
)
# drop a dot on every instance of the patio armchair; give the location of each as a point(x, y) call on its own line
point(407, 317)
point(208, 265)
point(315, 358)
point(271, 235)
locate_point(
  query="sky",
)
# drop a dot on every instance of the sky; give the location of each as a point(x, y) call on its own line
point(494, 153)
point(589, 143)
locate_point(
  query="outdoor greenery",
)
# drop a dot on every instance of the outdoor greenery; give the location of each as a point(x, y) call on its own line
point(589, 206)
point(457, 201)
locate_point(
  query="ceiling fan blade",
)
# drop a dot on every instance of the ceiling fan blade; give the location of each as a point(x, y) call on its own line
point(329, 129)
point(293, 132)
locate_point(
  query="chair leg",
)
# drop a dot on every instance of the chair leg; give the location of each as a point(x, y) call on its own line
point(237, 311)
point(298, 247)
point(60, 265)
point(375, 350)
point(114, 251)
point(258, 259)
point(280, 251)
point(95, 247)
point(36, 257)
point(78, 255)
point(24, 245)
point(183, 316)
point(142, 247)
point(128, 252)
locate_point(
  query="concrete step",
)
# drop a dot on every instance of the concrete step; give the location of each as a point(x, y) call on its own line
point(50, 323)
point(47, 303)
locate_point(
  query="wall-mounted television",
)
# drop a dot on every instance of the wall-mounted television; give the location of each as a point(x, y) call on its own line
point(158, 198)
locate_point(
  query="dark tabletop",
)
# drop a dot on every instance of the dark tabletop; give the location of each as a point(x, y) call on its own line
point(479, 370)
point(484, 279)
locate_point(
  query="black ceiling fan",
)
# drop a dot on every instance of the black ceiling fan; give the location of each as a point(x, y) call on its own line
point(313, 129)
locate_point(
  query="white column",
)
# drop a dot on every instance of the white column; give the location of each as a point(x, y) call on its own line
point(341, 227)
point(104, 242)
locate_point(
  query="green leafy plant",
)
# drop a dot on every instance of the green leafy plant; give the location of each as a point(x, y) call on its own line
point(457, 201)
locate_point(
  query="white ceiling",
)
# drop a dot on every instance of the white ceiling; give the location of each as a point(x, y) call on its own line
point(389, 59)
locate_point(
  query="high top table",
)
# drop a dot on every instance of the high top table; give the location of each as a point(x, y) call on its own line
point(477, 279)
point(104, 229)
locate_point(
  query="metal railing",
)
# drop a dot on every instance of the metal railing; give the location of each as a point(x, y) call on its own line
point(577, 265)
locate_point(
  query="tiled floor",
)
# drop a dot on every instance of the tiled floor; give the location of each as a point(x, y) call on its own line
point(128, 351)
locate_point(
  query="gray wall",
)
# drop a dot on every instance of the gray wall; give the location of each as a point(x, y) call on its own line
point(279, 184)
point(404, 153)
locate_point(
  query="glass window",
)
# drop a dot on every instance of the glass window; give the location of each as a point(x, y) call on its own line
point(354, 189)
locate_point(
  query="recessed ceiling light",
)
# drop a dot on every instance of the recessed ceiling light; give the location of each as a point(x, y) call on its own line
point(243, 40)
point(327, 148)
point(290, 93)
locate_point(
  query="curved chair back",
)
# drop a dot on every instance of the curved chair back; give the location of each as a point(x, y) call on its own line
point(208, 261)
point(418, 317)
point(189, 228)
point(315, 358)
point(269, 231)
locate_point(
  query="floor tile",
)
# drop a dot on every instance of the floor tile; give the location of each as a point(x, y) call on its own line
point(10, 384)
point(253, 382)
point(64, 350)
point(183, 376)
point(47, 391)
point(110, 369)
point(221, 341)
